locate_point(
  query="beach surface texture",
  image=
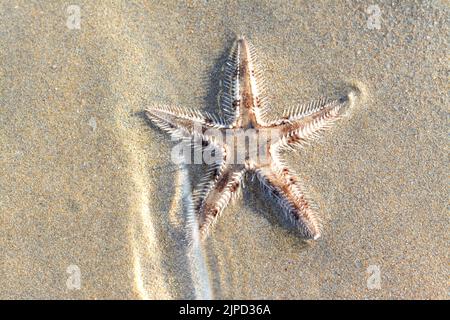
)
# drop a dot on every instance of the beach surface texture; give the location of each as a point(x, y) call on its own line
point(93, 207)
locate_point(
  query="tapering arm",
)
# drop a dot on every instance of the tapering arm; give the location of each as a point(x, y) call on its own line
point(291, 197)
point(182, 122)
point(306, 122)
point(211, 198)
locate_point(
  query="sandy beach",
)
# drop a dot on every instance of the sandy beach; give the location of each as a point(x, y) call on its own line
point(92, 207)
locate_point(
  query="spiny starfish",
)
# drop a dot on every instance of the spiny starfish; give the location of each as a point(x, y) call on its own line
point(245, 110)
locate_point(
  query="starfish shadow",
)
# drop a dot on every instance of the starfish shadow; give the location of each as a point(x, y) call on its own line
point(263, 204)
point(213, 80)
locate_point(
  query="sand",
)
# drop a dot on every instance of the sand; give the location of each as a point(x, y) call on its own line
point(87, 187)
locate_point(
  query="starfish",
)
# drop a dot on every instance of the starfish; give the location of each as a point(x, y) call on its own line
point(245, 114)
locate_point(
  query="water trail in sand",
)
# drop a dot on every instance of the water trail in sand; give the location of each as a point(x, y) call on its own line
point(145, 251)
point(196, 258)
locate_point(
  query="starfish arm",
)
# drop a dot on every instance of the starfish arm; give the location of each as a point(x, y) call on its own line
point(242, 97)
point(183, 122)
point(261, 104)
point(305, 122)
point(213, 196)
point(281, 183)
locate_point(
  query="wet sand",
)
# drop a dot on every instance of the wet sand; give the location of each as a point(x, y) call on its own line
point(87, 184)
